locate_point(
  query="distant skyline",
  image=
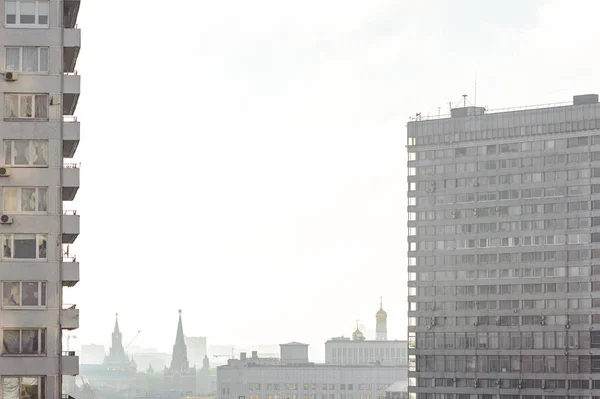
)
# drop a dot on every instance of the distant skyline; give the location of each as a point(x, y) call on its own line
point(255, 176)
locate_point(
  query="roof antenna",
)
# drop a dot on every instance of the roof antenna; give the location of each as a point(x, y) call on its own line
point(475, 100)
point(464, 100)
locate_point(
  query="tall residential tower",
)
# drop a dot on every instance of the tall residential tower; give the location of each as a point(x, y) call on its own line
point(504, 253)
point(39, 91)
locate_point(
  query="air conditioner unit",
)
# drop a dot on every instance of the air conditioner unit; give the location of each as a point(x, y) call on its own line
point(10, 76)
point(4, 171)
point(5, 219)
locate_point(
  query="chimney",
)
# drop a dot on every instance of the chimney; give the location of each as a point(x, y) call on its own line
point(242, 355)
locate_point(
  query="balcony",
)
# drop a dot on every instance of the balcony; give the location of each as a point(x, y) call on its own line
point(71, 133)
point(71, 9)
point(70, 272)
point(71, 90)
point(72, 45)
point(69, 363)
point(69, 317)
point(70, 181)
point(70, 227)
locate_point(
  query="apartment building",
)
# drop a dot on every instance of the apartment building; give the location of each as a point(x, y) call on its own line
point(39, 92)
point(504, 253)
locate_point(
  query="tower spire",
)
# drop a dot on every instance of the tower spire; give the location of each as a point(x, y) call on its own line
point(179, 361)
point(381, 320)
point(116, 329)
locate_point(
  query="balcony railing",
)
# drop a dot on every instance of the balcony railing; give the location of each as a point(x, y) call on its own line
point(69, 258)
point(70, 212)
point(66, 396)
point(72, 165)
point(69, 306)
point(68, 353)
point(69, 118)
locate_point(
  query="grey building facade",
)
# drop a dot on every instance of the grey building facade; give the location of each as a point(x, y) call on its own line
point(39, 91)
point(504, 253)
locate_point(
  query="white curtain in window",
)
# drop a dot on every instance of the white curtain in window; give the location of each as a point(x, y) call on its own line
point(11, 106)
point(6, 246)
point(11, 294)
point(21, 152)
point(41, 106)
point(12, 58)
point(10, 388)
point(29, 341)
point(10, 8)
point(27, 12)
point(10, 341)
point(25, 106)
point(40, 153)
point(43, 12)
point(30, 59)
point(10, 199)
point(28, 199)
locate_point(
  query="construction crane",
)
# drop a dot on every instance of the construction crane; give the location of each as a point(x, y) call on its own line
point(228, 356)
point(134, 338)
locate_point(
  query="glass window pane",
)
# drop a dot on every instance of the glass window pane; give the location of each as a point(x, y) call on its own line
point(41, 106)
point(25, 246)
point(10, 294)
point(42, 245)
point(30, 294)
point(43, 59)
point(30, 341)
point(8, 152)
point(29, 388)
point(42, 199)
point(40, 153)
point(10, 387)
point(28, 199)
point(11, 106)
point(43, 12)
point(27, 12)
point(6, 246)
point(10, 199)
point(13, 54)
point(26, 106)
point(11, 341)
point(10, 8)
point(30, 59)
point(21, 152)
point(43, 294)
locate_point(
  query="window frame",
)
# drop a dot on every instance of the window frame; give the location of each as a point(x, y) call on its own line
point(31, 150)
point(41, 341)
point(42, 291)
point(38, 242)
point(20, 70)
point(19, 201)
point(40, 383)
point(17, 23)
point(33, 96)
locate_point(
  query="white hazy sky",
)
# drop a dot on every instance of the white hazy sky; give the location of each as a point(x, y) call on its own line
point(245, 160)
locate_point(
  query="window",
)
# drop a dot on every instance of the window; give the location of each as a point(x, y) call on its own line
point(26, 12)
point(23, 387)
point(26, 152)
point(27, 59)
point(23, 294)
point(25, 199)
point(26, 106)
point(24, 246)
point(28, 341)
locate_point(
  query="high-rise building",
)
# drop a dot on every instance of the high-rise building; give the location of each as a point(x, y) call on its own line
point(504, 253)
point(39, 90)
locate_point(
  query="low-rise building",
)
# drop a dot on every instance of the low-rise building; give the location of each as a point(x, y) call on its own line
point(293, 376)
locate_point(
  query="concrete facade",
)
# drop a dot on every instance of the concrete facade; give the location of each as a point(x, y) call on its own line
point(504, 254)
point(262, 378)
point(343, 351)
point(40, 44)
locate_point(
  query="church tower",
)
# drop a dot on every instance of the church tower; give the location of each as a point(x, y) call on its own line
point(381, 326)
point(180, 376)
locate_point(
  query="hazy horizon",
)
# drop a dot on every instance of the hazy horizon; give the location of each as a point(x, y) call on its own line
point(289, 151)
